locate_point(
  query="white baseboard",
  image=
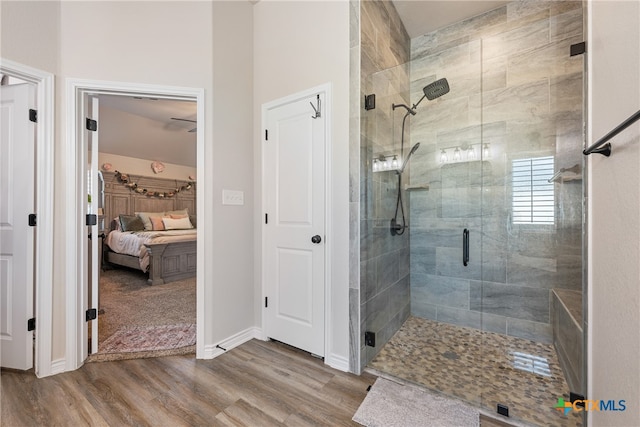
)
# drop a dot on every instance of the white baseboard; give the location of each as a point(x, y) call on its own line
point(212, 350)
point(337, 362)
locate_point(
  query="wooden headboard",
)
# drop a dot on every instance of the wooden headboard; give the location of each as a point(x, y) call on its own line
point(119, 199)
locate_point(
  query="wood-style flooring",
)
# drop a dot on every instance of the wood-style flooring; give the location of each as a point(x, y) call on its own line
point(256, 384)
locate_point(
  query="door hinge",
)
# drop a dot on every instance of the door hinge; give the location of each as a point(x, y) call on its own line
point(33, 115)
point(92, 219)
point(266, 134)
point(266, 218)
point(31, 324)
point(578, 49)
point(33, 220)
point(266, 302)
point(370, 102)
point(92, 125)
point(576, 398)
point(370, 339)
point(91, 314)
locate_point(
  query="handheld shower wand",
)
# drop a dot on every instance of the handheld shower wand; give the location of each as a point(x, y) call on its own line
point(431, 91)
point(406, 161)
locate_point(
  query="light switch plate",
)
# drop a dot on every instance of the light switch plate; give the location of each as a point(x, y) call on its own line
point(232, 197)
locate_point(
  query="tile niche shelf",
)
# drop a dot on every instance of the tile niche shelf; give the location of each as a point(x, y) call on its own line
point(423, 187)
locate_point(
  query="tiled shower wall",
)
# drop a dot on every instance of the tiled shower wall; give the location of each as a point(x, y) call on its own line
point(515, 88)
point(384, 298)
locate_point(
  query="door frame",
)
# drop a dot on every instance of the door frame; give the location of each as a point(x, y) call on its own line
point(328, 246)
point(43, 259)
point(76, 89)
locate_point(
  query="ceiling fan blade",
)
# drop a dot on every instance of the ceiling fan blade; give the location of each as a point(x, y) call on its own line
point(183, 120)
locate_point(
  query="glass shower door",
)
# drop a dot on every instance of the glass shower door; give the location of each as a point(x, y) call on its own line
point(530, 295)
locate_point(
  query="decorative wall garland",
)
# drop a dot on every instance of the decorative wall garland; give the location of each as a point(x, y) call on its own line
point(133, 186)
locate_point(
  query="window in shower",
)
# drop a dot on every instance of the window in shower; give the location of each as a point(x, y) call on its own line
point(533, 199)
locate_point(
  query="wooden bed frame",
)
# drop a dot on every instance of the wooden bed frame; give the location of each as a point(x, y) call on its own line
point(168, 262)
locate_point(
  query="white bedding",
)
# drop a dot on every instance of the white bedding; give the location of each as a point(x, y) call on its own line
point(132, 242)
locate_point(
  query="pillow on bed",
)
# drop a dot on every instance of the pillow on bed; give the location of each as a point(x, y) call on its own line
point(177, 224)
point(184, 211)
point(192, 219)
point(174, 216)
point(156, 223)
point(130, 223)
point(144, 217)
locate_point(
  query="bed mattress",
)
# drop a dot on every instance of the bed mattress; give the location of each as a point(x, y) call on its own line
point(133, 242)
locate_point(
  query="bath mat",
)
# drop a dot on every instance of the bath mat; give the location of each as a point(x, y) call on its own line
point(150, 338)
point(391, 404)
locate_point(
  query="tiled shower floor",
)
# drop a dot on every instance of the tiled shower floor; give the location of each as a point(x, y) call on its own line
point(480, 367)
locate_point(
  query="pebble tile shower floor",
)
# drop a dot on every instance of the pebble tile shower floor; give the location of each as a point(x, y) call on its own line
point(482, 368)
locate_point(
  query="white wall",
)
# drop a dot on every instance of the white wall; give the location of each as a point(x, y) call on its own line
point(232, 258)
point(299, 45)
point(30, 33)
point(614, 209)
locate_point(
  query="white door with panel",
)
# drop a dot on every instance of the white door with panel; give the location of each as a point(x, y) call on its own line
point(294, 229)
point(17, 202)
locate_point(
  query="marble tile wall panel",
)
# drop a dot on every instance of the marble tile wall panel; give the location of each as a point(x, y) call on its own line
point(354, 330)
point(354, 24)
point(443, 291)
point(355, 180)
point(521, 38)
point(421, 308)
point(354, 245)
point(460, 317)
point(494, 323)
point(506, 300)
point(534, 331)
point(568, 337)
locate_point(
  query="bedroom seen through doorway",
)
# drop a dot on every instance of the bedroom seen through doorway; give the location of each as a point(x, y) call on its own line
point(142, 225)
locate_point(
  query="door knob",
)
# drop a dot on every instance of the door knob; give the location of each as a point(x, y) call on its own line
point(316, 239)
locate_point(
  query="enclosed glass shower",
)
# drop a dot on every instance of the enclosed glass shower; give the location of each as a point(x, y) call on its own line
point(482, 298)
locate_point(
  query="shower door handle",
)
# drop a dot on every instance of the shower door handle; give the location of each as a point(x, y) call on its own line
point(465, 247)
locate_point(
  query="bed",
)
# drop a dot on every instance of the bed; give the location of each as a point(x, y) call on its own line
point(167, 255)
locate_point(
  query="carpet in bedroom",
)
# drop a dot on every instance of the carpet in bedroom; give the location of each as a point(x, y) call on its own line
point(127, 302)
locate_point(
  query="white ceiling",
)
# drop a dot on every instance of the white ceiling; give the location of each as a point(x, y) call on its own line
point(424, 16)
point(142, 128)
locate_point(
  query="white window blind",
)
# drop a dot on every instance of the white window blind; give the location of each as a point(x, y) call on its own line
point(533, 196)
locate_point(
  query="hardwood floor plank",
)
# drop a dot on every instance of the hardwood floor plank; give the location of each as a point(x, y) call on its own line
point(242, 413)
point(256, 384)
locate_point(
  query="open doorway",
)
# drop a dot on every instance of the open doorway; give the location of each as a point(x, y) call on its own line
point(128, 194)
point(147, 227)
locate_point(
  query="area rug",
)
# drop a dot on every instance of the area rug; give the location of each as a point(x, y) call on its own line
point(127, 302)
point(391, 404)
point(150, 338)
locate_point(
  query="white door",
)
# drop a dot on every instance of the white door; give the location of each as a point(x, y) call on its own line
point(17, 170)
point(294, 257)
